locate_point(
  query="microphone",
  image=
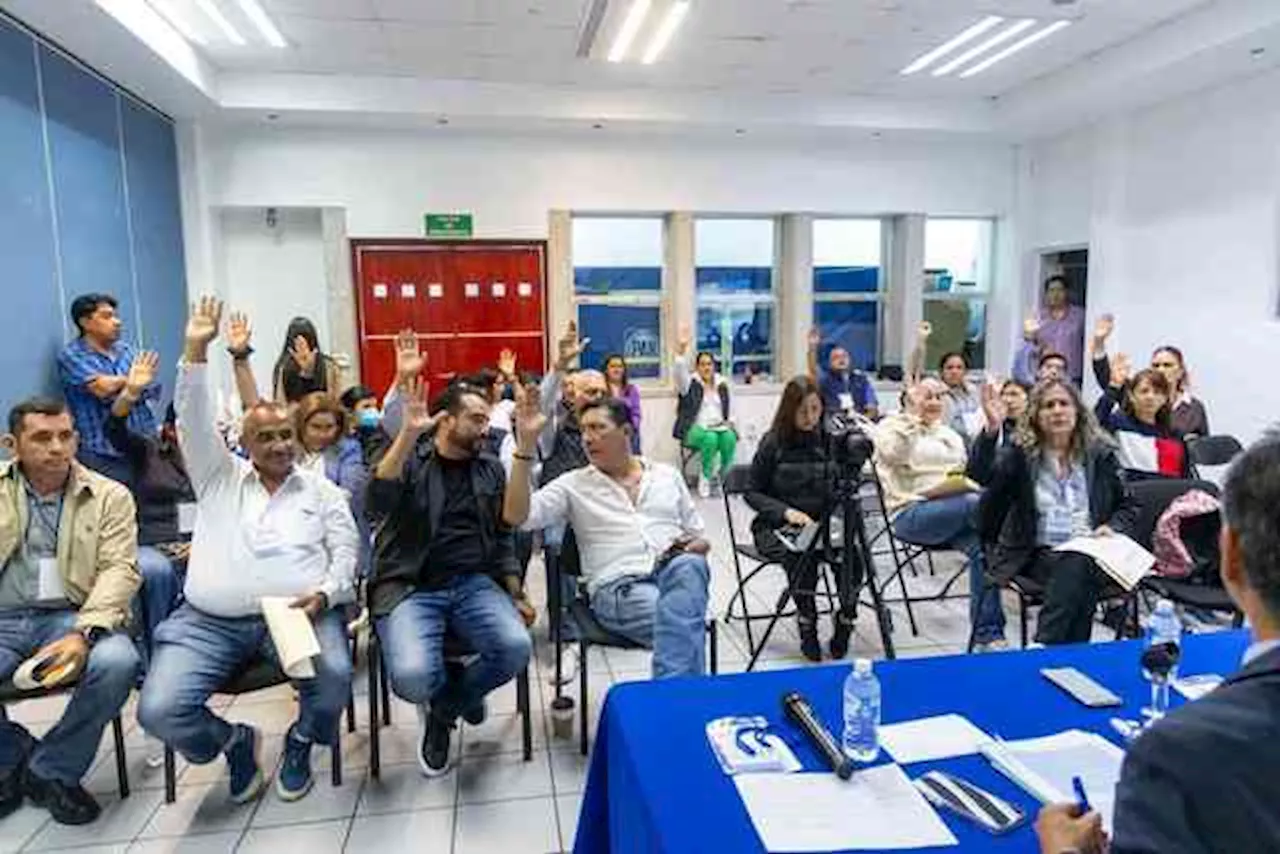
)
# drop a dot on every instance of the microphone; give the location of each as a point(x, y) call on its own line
point(798, 710)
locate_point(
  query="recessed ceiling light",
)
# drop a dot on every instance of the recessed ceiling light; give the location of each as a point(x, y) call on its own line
point(220, 20)
point(630, 28)
point(978, 50)
point(662, 36)
point(255, 13)
point(964, 38)
point(1039, 35)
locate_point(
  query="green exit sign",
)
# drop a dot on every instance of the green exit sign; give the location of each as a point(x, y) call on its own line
point(447, 225)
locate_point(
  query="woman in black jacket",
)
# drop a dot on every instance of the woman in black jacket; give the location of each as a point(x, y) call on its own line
point(1060, 480)
point(790, 479)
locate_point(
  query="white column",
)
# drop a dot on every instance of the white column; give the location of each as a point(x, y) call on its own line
point(340, 290)
point(904, 286)
point(793, 296)
point(679, 285)
point(559, 292)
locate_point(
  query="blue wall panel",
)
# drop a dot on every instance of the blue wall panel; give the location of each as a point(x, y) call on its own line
point(151, 167)
point(88, 184)
point(32, 306)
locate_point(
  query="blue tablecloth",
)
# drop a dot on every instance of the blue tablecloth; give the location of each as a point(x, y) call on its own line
point(654, 785)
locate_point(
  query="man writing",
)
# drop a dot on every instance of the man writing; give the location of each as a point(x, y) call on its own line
point(445, 563)
point(94, 369)
point(638, 534)
point(68, 548)
point(1204, 778)
point(844, 389)
point(263, 528)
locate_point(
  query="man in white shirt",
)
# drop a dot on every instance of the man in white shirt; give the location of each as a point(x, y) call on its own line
point(639, 536)
point(263, 528)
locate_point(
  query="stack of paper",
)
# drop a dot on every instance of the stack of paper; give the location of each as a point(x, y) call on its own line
point(1044, 767)
point(877, 809)
point(928, 739)
point(293, 635)
point(1118, 556)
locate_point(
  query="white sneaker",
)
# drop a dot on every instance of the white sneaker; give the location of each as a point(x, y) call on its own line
point(154, 752)
point(704, 488)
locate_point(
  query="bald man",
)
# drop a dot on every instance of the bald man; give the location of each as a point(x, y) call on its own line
point(264, 528)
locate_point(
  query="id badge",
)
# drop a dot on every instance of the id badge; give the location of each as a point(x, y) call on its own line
point(186, 517)
point(51, 588)
point(846, 401)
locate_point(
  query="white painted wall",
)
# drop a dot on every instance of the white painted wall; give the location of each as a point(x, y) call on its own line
point(1179, 206)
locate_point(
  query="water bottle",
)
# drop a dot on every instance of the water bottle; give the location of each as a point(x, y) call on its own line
point(1160, 660)
point(861, 741)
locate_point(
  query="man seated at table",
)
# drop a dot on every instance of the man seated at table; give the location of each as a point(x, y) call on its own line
point(68, 555)
point(639, 536)
point(263, 528)
point(444, 563)
point(1205, 778)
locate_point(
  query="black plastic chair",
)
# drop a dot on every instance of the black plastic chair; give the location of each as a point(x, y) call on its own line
point(590, 632)
point(380, 690)
point(1213, 451)
point(10, 693)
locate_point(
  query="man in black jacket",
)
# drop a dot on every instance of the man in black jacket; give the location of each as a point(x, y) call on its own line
point(1205, 778)
point(444, 563)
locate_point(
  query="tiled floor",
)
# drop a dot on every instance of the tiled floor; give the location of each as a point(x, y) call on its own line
point(493, 801)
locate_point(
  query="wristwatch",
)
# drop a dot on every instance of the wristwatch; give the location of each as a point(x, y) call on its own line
point(93, 634)
point(240, 355)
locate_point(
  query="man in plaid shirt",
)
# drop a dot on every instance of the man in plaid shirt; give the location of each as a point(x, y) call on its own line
point(93, 369)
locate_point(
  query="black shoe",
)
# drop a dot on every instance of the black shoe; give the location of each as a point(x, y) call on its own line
point(433, 746)
point(67, 804)
point(810, 648)
point(840, 638)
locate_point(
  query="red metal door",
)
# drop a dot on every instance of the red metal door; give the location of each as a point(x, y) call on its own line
point(465, 300)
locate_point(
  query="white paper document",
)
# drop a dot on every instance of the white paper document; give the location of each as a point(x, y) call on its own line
point(877, 809)
point(1195, 687)
point(1120, 557)
point(1044, 767)
point(293, 635)
point(928, 739)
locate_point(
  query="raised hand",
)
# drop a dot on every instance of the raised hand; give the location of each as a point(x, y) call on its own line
point(815, 337)
point(993, 406)
point(239, 332)
point(684, 340)
point(1031, 328)
point(1121, 370)
point(141, 373)
point(1104, 327)
point(528, 417)
point(409, 359)
point(569, 347)
point(204, 320)
point(924, 329)
point(507, 364)
point(303, 356)
point(417, 420)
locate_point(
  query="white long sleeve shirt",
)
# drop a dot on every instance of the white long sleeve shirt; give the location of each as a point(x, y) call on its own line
point(249, 543)
point(615, 537)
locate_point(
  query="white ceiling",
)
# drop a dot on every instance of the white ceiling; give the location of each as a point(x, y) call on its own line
point(820, 66)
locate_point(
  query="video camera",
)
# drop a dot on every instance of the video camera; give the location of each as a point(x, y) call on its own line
point(847, 442)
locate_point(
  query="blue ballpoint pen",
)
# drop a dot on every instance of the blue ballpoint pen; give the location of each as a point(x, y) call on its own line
point(1081, 797)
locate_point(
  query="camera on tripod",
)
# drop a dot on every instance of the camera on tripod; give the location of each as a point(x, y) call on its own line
point(848, 444)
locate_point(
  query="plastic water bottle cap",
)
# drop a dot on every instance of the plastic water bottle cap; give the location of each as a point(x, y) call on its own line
point(1164, 606)
point(862, 666)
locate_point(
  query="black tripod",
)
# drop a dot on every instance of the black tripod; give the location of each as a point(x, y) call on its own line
point(843, 502)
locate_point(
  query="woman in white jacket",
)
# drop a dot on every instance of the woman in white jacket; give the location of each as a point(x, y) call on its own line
point(931, 501)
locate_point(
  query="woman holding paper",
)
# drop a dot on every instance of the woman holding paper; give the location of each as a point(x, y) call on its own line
point(790, 476)
point(1060, 480)
point(930, 499)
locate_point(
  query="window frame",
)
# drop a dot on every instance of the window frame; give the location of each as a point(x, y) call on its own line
point(749, 299)
point(877, 296)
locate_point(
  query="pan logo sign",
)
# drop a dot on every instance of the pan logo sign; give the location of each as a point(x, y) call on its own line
point(640, 343)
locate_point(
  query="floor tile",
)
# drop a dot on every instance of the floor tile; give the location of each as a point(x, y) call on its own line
point(324, 802)
point(511, 827)
point(214, 843)
point(503, 776)
point(273, 717)
point(425, 830)
point(198, 810)
point(121, 821)
point(20, 826)
point(567, 809)
point(502, 734)
point(326, 837)
point(216, 771)
point(569, 771)
point(403, 788)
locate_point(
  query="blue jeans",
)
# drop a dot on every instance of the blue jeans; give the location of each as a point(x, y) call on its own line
point(666, 611)
point(950, 522)
point(197, 653)
point(480, 614)
point(160, 593)
point(66, 751)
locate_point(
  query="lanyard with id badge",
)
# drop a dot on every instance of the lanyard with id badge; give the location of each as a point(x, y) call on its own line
point(49, 584)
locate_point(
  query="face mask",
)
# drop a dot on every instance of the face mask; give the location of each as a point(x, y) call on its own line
point(368, 418)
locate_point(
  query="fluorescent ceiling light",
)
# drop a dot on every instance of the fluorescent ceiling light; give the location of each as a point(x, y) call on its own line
point(254, 12)
point(1015, 47)
point(215, 15)
point(964, 38)
point(679, 9)
point(629, 30)
point(974, 52)
point(155, 31)
point(164, 10)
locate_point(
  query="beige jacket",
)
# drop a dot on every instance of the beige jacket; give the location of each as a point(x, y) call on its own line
point(913, 458)
point(97, 542)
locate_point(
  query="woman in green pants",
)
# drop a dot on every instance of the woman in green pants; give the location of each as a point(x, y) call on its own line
point(703, 420)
